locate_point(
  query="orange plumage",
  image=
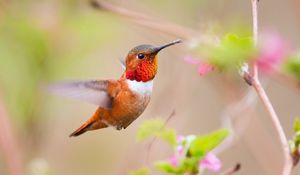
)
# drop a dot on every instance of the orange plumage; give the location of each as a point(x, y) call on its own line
point(120, 101)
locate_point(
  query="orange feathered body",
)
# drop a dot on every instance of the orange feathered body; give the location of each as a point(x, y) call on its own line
point(122, 101)
point(127, 105)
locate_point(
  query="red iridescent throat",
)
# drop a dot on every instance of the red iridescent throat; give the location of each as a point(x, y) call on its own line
point(145, 71)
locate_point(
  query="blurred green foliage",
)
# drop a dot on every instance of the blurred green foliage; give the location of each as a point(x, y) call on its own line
point(231, 51)
point(297, 125)
point(141, 171)
point(186, 165)
point(295, 142)
point(203, 144)
point(24, 52)
point(155, 128)
point(34, 50)
point(197, 148)
point(292, 66)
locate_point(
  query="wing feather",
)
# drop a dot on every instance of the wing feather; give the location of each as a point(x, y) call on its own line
point(93, 91)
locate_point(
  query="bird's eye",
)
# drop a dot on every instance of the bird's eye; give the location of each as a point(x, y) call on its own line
point(140, 56)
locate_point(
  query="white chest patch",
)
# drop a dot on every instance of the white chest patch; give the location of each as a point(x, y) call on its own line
point(142, 88)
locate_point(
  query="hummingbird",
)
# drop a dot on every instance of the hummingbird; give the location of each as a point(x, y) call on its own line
point(119, 101)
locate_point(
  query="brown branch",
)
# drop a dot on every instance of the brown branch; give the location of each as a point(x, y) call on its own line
point(152, 23)
point(8, 143)
point(275, 120)
point(240, 117)
point(255, 34)
point(266, 101)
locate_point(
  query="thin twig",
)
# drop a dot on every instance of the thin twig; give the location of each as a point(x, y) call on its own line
point(282, 137)
point(240, 117)
point(255, 34)
point(266, 101)
point(152, 23)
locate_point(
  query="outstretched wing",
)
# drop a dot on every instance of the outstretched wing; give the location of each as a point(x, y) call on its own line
point(94, 91)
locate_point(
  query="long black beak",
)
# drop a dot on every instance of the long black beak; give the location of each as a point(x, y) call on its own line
point(157, 49)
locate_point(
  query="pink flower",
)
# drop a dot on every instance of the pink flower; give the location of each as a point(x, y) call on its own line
point(273, 50)
point(174, 160)
point(211, 162)
point(203, 67)
point(180, 149)
point(180, 138)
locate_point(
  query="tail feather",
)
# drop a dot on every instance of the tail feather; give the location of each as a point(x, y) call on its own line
point(82, 129)
point(92, 123)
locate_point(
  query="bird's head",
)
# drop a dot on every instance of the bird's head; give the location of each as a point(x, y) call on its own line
point(141, 61)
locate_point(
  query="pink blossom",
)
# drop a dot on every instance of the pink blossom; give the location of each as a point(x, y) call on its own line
point(180, 138)
point(177, 156)
point(273, 50)
point(180, 149)
point(211, 162)
point(174, 160)
point(203, 67)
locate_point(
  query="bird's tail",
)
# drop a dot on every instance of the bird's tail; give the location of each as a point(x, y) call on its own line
point(92, 123)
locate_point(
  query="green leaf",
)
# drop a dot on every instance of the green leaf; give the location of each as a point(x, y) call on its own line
point(231, 52)
point(141, 171)
point(296, 139)
point(292, 145)
point(297, 125)
point(169, 135)
point(292, 66)
point(190, 164)
point(155, 128)
point(166, 167)
point(186, 165)
point(203, 144)
point(149, 128)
